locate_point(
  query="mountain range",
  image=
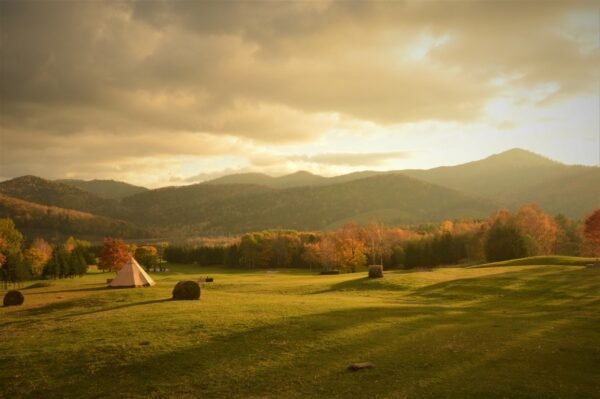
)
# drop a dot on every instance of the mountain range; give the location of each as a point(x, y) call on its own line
point(253, 201)
point(110, 189)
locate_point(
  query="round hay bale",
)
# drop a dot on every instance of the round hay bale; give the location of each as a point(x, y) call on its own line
point(13, 298)
point(375, 271)
point(186, 290)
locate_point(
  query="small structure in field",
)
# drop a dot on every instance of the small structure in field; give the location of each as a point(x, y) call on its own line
point(375, 271)
point(13, 298)
point(131, 275)
point(186, 290)
point(206, 279)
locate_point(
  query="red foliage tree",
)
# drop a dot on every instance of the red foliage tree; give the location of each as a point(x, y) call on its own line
point(115, 253)
point(591, 232)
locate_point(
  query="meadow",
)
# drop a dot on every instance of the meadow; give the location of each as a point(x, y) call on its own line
point(523, 329)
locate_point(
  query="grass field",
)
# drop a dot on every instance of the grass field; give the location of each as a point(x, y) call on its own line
point(501, 331)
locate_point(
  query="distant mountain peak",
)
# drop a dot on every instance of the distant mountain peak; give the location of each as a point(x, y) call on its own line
point(522, 155)
point(105, 188)
point(301, 173)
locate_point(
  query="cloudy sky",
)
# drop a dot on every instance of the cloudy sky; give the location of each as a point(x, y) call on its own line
point(159, 93)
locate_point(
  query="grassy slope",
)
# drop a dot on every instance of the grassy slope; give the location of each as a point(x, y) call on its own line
point(508, 331)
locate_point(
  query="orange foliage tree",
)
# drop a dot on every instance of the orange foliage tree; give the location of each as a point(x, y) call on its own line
point(115, 253)
point(539, 227)
point(328, 251)
point(351, 245)
point(37, 255)
point(591, 232)
point(311, 254)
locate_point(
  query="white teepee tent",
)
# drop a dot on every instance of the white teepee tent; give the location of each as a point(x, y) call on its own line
point(132, 275)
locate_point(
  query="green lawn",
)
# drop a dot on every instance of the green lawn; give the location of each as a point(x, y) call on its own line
point(525, 331)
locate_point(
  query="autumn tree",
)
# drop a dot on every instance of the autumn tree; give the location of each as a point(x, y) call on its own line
point(351, 253)
point(591, 232)
point(351, 247)
point(328, 252)
point(114, 254)
point(13, 266)
point(372, 237)
point(311, 254)
point(37, 255)
point(501, 216)
point(568, 237)
point(539, 228)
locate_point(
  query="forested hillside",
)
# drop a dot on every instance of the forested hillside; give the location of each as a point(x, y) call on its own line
point(50, 193)
point(509, 179)
point(517, 176)
point(56, 223)
point(220, 209)
point(297, 179)
point(110, 189)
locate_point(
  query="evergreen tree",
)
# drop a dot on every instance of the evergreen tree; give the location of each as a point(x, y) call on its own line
point(78, 265)
point(58, 265)
point(505, 241)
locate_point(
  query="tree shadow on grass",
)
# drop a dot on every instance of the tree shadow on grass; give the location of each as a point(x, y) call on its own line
point(365, 284)
point(118, 307)
point(72, 304)
point(91, 289)
point(522, 287)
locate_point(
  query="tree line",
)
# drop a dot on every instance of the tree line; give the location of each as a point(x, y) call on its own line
point(39, 259)
point(504, 235)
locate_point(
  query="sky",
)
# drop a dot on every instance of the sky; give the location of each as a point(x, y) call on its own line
point(163, 93)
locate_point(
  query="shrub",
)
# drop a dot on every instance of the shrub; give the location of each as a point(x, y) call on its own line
point(375, 271)
point(186, 290)
point(13, 298)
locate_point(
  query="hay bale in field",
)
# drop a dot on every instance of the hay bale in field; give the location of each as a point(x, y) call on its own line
point(186, 290)
point(375, 271)
point(13, 298)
